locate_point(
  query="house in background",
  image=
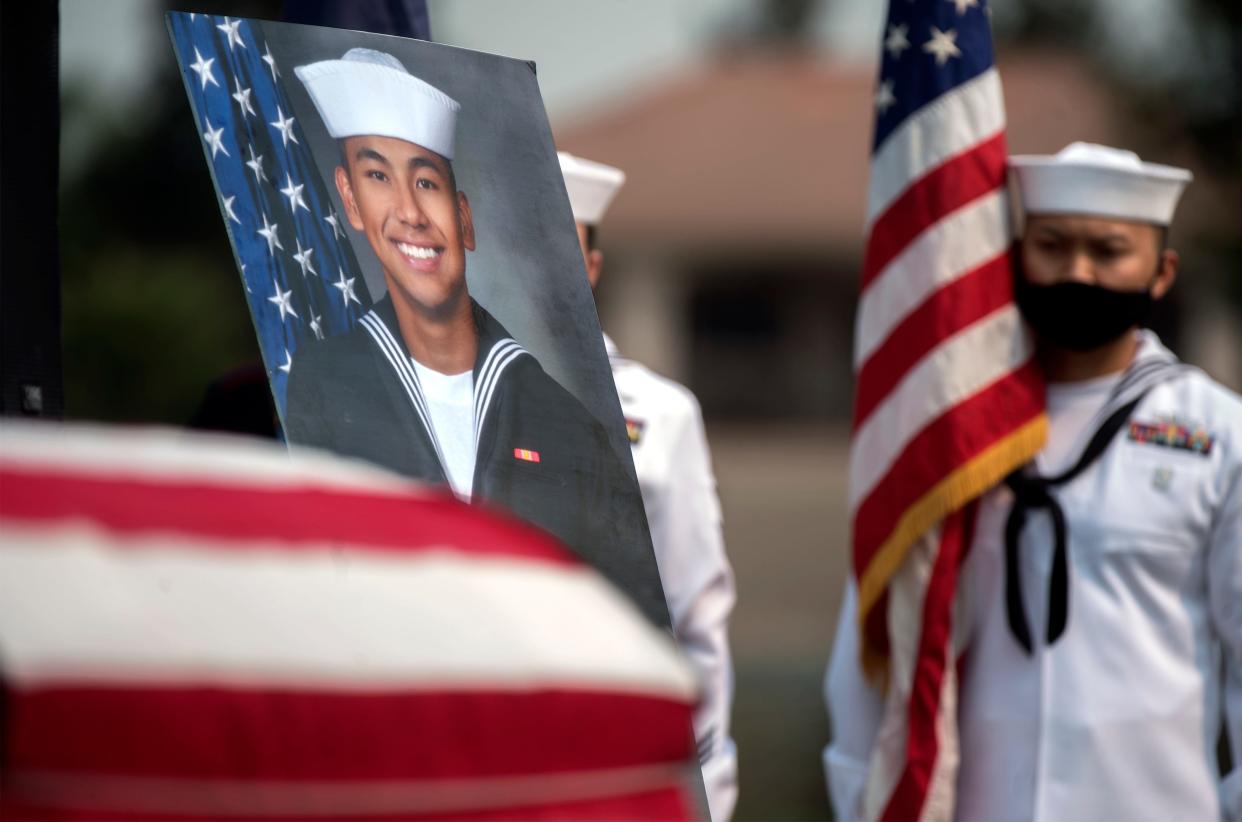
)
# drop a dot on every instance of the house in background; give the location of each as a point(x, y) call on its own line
point(733, 250)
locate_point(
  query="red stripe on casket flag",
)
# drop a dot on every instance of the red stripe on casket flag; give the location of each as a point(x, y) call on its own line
point(672, 804)
point(205, 732)
point(953, 439)
point(959, 180)
point(237, 514)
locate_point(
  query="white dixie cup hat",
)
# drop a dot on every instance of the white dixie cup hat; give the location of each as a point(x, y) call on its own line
point(1098, 181)
point(591, 186)
point(370, 92)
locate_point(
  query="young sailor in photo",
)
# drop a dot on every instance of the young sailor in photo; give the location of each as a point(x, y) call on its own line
point(674, 470)
point(1102, 592)
point(428, 383)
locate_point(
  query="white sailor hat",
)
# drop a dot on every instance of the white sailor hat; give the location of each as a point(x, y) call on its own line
point(591, 186)
point(1098, 181)
point(370, 92)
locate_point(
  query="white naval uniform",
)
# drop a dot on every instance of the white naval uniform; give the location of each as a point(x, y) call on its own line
point(1119, 719)
point(679, 493)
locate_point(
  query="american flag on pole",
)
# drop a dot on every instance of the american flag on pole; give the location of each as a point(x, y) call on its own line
point(948, 400)
point(300, 275)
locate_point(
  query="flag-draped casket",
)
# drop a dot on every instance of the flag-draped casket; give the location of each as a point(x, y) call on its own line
point(208, 628)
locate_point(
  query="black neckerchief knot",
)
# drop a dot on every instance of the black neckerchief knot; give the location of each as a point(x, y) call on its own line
point(1033, 493)
point(1154, 365)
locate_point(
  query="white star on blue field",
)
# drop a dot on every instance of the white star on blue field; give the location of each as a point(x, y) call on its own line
point(271, 194)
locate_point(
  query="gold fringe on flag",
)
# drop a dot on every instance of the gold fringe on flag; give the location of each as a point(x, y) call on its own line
point(964, 484)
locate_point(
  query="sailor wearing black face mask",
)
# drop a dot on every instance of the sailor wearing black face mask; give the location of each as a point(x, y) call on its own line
point(1107, 576)
point(1084, 316)
point(1102, 594)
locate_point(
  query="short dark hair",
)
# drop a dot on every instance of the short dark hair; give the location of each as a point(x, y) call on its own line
point(591, 235)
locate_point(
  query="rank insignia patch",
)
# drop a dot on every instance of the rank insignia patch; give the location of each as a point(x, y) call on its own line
point(634, 429)
point(1172, 434)
point(525, 455)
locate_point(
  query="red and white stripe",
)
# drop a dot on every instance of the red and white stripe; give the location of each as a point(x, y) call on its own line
point(914, 764)
point(204, 628)
point(945, 378)
point(954, 124)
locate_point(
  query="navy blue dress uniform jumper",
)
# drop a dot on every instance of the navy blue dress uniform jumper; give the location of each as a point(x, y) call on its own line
point(539, 453)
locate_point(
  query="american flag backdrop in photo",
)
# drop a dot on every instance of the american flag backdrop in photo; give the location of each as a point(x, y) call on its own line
point(948, 400)
point(301, 278)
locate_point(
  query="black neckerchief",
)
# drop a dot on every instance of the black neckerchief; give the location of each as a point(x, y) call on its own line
point(1032, 492)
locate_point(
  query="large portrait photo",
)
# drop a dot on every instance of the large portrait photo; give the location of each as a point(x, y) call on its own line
point(400, 224)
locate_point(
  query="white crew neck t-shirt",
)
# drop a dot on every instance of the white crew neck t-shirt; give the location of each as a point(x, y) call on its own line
point(450, 401)
point(1071, 408)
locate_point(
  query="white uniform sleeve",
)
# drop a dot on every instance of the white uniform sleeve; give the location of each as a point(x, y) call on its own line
point(855, 707)
point(1225, 595)
point(698, 584)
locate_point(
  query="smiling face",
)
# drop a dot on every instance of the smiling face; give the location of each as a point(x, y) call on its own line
point(1115, 254)
point(403, 197)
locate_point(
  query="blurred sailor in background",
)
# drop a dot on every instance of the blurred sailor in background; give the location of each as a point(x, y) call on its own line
point(667, 439)
point(1103, 588)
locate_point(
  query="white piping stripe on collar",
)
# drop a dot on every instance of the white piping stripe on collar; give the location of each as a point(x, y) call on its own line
point(498, 359)
point(484, 383)
point(501, 354)
point(400, 362)
point(508, 356)
point(1148, 371)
